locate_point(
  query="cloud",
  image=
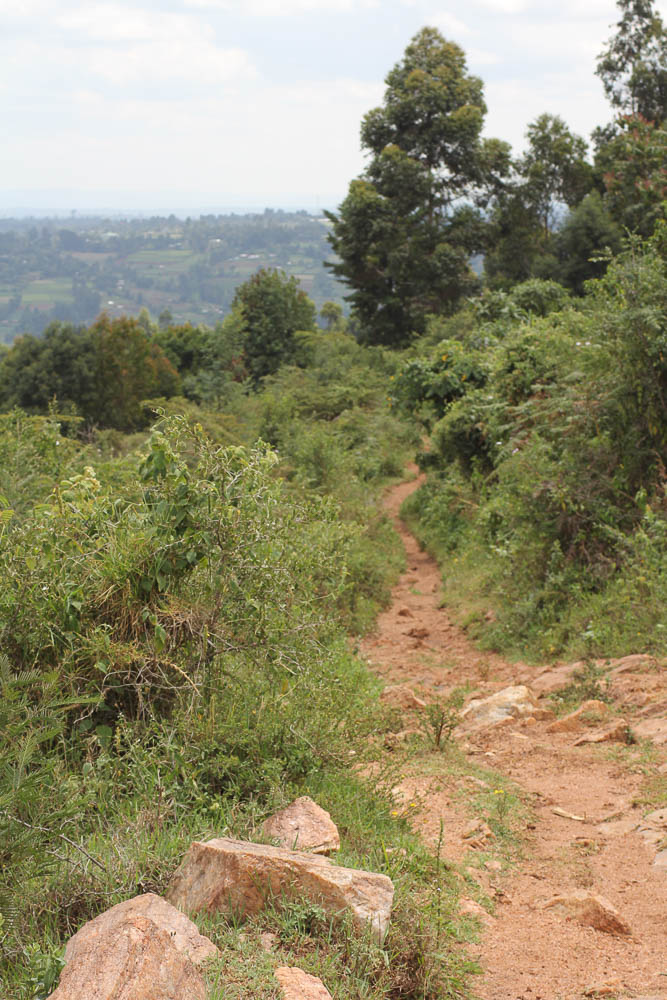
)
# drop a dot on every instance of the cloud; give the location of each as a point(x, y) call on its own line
point(449, 24)
point(123, 47)
point(505, 6)
point(282, 8)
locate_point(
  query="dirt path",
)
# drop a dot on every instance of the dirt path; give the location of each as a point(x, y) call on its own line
point(528, 951)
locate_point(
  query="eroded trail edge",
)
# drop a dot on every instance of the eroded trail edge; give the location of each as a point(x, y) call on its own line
point(592, 828)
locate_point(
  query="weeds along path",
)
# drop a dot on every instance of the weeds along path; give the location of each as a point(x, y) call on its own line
point(528, 816)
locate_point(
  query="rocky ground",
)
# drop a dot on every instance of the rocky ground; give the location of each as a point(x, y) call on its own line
point(574, 903)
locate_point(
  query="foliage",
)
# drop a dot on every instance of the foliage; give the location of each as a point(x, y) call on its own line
point(102, 373)
point(558, 454)
point(553, 173)
point(273, 308)
point(402, 246)
point(585, 241)
point(554, 167)
point(633, 64)
point(425, 387)
point(632, 165)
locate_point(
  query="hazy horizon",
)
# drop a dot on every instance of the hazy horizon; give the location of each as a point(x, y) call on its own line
point(197, 106)
point(65, 204)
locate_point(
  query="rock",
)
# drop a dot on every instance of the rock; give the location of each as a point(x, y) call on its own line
point(592, 710)
point(418, 632)
point(554, 678)
point(510, 703)
point(469, 908)
point(401, 696)
point(651, 729)
point(268, 941)
point(303, 826)
point(239, 877)
point(299, 985)
point(183, 934)
point(660, 860)
point(591, 911)
point(133, 960)
point(604, 989)
point(636, 661)
point(477, 833)
point(656, 818)
point(405, 613)
point(618, 827)
point(616, 733)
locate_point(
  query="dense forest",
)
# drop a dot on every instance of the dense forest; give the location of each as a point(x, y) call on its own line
point(189, 510)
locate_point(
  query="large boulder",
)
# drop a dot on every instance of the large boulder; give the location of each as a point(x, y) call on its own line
point(511, 703)
point(303, 826)
point(183, 934)
point(239, 877)
point(142, 949)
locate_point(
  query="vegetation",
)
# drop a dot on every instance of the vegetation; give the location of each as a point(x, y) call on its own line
point(403, 246)
point(548, 452)
point(183, 270)
point(189, 527)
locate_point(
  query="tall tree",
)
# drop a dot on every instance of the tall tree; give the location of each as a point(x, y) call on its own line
point(554, 167)
point(402, 240)
point(633, 64)
point(553, 173)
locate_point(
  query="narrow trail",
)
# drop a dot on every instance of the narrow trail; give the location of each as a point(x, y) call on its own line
point(529, 952)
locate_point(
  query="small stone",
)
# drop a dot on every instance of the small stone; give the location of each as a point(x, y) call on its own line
point(477, 833)
point(604, 990)
point(418, 632)
point(303, 826)
point(635, 661)
point(656, 818)
point(592, 709)
point(617, 827)
point(590, 910)
point(299, 985)
point(660, 860)
point(469, 908)
point(652, 729)
point(405, 613)
point(268, 941)
point(616, 733)
point(508, 704)
point(401, 696)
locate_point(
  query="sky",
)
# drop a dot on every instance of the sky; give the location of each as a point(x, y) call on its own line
point(195, 106)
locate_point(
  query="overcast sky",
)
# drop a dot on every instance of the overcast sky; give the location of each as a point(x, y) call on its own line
point(199, 105)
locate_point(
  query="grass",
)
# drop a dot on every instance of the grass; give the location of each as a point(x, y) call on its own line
point(47, 291)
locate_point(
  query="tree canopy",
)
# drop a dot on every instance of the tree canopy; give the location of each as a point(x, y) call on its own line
point(402, 237)
point(633, 64)
point(274, 308)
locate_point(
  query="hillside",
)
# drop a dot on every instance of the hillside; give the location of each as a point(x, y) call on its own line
point(72, 269)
